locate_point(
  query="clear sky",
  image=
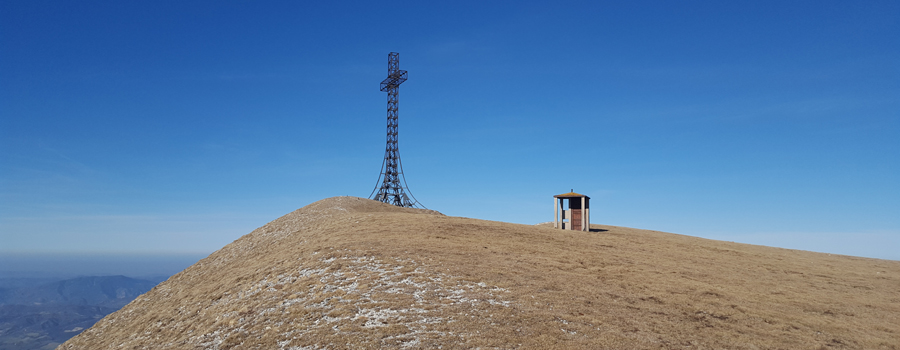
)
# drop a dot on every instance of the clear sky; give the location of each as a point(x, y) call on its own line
point(177, 126)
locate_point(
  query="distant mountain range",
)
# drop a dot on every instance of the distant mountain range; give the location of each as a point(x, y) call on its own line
point(42, 313)
point(107, 291)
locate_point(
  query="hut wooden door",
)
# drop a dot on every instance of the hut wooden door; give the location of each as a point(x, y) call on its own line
point(575, 221)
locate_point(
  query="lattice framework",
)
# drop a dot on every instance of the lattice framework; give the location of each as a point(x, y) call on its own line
point(389, 188)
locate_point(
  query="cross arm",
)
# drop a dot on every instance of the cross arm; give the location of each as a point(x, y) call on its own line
point(395, 79)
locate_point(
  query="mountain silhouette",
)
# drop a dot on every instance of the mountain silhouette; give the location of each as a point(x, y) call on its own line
point(351, 273)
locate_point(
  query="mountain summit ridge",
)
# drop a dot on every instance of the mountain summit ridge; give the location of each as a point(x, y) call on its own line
point(347, 272)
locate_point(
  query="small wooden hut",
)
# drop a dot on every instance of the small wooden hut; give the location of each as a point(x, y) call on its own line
point(577, 217)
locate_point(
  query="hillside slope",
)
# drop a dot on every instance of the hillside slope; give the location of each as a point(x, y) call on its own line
point(347, 272)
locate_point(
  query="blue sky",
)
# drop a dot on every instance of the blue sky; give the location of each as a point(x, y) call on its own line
point(177, 126)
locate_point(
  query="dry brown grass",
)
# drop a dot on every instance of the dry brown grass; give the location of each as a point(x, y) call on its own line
point(352, 273)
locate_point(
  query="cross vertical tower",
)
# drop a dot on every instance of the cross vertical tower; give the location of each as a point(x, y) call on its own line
point(389, 190)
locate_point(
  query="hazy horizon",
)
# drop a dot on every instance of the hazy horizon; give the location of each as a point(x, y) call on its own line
point(69, 265)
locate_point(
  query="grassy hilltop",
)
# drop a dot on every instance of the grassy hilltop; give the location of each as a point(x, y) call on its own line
point(347, 272)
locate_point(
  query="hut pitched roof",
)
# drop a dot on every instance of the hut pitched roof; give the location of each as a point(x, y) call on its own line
point(570, 194)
